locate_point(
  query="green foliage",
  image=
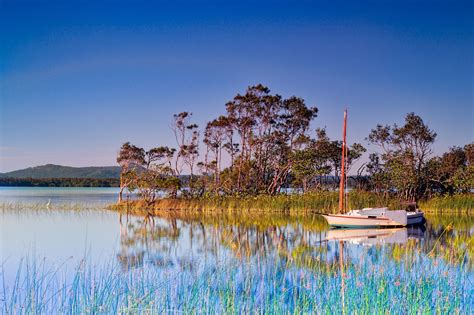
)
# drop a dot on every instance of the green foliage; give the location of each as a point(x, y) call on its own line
point(453, 171)
point(405, 166)
point(463, 179)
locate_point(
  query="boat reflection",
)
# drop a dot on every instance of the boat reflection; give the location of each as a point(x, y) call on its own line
point(366, 237)
point(375, 236)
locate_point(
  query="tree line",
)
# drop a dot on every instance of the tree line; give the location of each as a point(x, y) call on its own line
point(264, 144)
point(60, 182)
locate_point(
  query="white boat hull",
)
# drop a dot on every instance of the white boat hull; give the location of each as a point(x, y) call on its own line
point(363, 219)
point(338, 220)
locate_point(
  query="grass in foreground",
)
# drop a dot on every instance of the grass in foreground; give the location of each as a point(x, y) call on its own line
point(269, 284)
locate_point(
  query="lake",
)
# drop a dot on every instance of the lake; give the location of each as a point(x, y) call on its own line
point(61, 252)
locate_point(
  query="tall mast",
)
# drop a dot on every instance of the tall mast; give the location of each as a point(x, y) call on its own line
point(343, 167)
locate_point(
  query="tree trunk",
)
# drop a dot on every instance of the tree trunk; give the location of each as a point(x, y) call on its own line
point(120, 195)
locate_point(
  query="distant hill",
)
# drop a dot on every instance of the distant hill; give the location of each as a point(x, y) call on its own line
point(59, 171)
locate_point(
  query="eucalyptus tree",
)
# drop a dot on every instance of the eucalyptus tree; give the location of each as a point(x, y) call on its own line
point(268, 128)
point(329, 151)
point(405, 152)
point(379, 176)
point(187, 138)
point(452, 172)
point(290, 134)
point(241, 112)
point(157, 174)
point(130, 157)
point(191, 154)
point(146, 171)
point(309, 165)
point(215, 135)
point(320, 157)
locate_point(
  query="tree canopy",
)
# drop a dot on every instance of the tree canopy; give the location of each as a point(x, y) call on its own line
point(264, 143)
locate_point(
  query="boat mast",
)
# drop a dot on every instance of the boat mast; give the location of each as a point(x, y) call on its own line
point(343, 167)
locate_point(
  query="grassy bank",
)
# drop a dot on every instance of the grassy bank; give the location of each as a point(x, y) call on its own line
point(298, 204)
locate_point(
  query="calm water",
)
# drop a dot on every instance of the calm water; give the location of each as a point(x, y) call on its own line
point(275, 249)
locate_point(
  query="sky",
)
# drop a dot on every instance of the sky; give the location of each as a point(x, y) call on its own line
point(79, 78)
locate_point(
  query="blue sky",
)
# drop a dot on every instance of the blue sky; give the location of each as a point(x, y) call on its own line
point(78, 78)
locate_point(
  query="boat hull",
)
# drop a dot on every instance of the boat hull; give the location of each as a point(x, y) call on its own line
point(394, 218)
point(346, 221)
point(415, 218)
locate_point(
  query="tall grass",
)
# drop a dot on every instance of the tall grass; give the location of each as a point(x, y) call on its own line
point(458, 203)
point(269, 284)
point(324, 201)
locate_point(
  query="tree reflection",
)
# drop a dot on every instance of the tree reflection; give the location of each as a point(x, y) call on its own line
point(183, 240)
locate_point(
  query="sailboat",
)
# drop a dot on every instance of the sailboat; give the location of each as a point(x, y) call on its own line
point(368, 217)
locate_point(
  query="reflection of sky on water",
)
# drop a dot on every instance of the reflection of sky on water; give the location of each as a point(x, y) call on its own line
point(93, 195)
point(59, 236)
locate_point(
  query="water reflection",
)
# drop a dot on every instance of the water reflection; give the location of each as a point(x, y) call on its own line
point(376, 236)
point(177, 240)
point(212, 262)
point(142, 239)
point(305, 245)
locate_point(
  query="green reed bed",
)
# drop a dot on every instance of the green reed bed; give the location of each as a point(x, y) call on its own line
point(323, 201)
point(459, 203)
point(268, 284)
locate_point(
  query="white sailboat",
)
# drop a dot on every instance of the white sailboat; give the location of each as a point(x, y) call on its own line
point(368, 217)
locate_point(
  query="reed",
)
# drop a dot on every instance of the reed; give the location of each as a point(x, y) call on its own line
point(324, 201)
point(454, 203)
point(273, 284)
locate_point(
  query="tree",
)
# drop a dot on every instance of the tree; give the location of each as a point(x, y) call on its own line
point(214, 137)
point(451, 172)
point(187, 139)
point(309, 164)
point(292, 125)
point(130, 157)
point(469, 152)
point(379, 178)
point(329, 152)
point(405, 153)
point(241, 112)
point(186, 136)
point(259, 132)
